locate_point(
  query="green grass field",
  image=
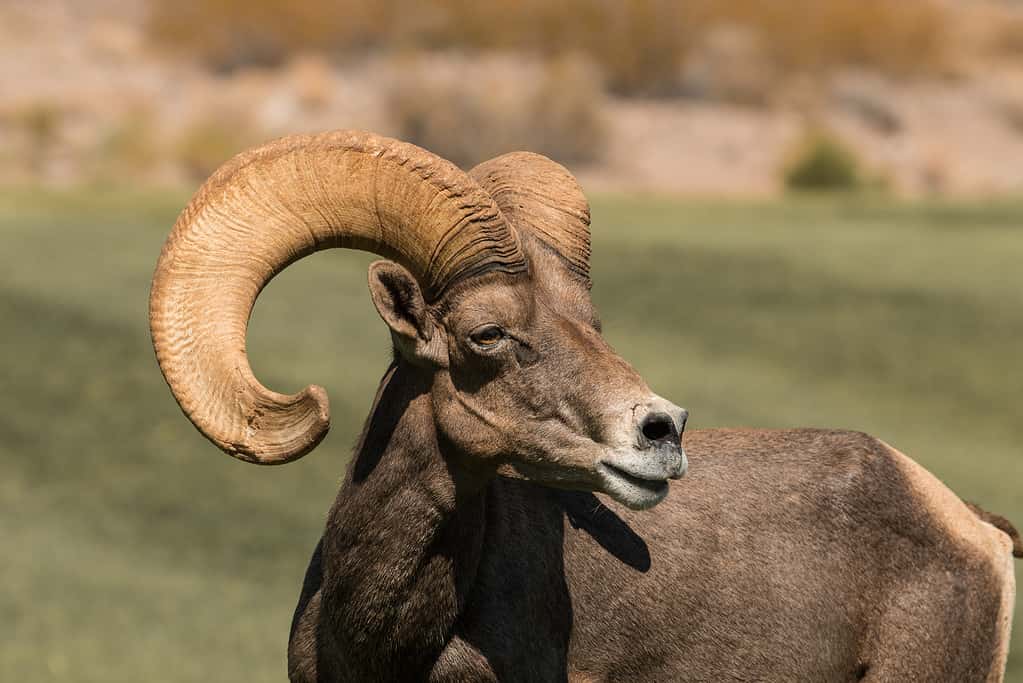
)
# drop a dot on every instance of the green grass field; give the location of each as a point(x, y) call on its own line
point(135, 551)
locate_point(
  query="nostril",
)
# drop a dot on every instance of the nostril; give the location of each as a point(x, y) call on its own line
point(658, 427)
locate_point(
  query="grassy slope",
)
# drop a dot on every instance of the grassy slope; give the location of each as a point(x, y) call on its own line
point(137, 552)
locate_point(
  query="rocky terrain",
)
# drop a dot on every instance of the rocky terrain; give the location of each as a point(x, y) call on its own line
point(85, 97)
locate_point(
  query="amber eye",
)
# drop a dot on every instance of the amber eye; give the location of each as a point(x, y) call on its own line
point(487, 335)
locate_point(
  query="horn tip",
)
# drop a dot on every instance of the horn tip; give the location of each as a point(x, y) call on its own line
point(308, 413)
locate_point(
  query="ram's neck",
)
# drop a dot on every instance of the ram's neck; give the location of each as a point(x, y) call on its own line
point(403, 540)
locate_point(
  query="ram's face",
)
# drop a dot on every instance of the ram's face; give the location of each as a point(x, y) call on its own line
point(490, 304)
point(531, 386)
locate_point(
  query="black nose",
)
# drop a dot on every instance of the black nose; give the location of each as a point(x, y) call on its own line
point(660, 428)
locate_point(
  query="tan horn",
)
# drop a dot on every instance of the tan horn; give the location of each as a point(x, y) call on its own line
point(269, 207)
point(540, 195)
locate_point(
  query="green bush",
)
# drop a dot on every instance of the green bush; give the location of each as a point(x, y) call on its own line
point(823, 163)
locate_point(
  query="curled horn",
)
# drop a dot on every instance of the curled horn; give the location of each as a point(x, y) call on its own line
point(541, 196)
point(269, 207)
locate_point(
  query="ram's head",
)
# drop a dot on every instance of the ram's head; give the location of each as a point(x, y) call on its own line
point(486, 295)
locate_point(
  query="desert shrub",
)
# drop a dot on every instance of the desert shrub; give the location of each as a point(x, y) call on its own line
point(208, 142)
point(640, 46)
point(41, 121)
point(1006, 39)
point(469, 112)
point(1012, 113)
point(38, 125)
point(226, 34)
point(729, 63)
point(822, 162)
point(130, 147)
point(902, 37)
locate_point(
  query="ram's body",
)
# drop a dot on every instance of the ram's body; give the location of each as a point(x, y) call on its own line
point(798, 555)
point(467, 542)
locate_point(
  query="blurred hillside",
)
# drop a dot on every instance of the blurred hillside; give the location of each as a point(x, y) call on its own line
point(915, 96)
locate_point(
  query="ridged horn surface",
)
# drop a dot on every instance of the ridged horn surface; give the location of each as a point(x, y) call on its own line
point(540, 195)
point(265, 209)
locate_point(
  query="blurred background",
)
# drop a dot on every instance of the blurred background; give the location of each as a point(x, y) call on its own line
point(831, 191)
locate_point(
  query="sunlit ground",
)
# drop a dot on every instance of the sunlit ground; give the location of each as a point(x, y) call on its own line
point(134, 551)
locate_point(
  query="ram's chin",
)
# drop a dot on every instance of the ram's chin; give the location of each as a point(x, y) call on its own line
point(631, 491)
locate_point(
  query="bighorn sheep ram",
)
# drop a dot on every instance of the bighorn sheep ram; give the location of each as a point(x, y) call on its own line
point(466, 543)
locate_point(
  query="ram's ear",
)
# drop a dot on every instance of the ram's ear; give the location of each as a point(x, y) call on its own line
point(399, 301)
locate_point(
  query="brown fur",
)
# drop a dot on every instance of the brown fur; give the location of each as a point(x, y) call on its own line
point(999, 522)
point(784, 555)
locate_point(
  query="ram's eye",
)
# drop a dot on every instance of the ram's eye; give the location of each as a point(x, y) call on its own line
point(487, 335)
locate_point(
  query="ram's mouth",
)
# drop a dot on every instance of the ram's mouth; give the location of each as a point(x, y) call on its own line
point(633, 490)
